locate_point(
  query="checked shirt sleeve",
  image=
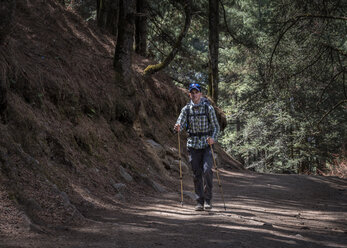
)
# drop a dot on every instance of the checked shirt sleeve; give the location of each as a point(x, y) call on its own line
point(182, 118)
point(214, 123)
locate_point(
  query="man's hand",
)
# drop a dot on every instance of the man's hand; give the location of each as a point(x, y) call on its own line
point(177, 127)
point(210, 141)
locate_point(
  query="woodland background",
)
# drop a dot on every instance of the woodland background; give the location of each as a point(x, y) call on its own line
point(89, 98)
point(277, 69)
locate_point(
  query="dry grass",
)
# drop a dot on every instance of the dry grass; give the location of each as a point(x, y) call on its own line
point(338, 168)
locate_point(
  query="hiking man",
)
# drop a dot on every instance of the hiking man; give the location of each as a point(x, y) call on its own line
point(199, 119)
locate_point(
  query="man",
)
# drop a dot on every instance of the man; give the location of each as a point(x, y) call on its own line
point(200, 121)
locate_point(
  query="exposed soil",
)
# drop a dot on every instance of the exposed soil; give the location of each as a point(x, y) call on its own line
point(87, 161)
point(261, 211)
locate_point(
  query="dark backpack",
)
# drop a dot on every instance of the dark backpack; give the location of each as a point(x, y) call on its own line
point(207, 104)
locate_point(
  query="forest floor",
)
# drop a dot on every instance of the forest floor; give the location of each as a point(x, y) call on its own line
point(262, 210)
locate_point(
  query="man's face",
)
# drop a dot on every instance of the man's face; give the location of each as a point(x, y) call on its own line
point(195, 95)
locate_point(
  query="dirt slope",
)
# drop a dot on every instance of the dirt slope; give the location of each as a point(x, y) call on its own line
point(72, 138)
point(262, 211)
point(86, 161)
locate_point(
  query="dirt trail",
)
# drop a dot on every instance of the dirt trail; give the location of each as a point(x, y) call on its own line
point(262, 211)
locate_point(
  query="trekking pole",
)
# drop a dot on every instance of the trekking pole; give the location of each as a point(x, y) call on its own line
point(180, 162)
point(219, 184)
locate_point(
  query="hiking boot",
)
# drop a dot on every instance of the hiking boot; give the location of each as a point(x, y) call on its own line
point(199, 207)
point(208, 205)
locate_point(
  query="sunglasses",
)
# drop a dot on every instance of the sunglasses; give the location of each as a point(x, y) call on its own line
point(191, 86)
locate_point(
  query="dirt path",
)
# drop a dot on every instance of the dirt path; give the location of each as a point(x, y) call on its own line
point(262, 211)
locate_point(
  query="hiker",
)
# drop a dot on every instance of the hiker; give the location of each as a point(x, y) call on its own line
point(199, 119)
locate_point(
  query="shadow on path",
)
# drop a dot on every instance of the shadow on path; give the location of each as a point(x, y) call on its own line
point(262, 211)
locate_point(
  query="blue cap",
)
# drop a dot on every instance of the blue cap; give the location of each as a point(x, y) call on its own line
point(195, 86)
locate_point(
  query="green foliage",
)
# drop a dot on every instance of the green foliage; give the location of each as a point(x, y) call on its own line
point(280, 91)
point(282, 67)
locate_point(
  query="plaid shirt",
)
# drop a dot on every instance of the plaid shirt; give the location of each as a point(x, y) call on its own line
point(199, 123)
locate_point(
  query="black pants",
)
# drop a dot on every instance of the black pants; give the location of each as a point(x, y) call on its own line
point(201, 163)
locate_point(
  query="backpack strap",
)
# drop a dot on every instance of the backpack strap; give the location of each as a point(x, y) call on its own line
point(188, 114)
point(207, 113)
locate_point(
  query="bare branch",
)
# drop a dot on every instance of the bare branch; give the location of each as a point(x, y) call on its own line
point(343, 76)
point(343, 85)
point(308, 66)
point(331, 110)
point(294, 20)
point(249, 45)
point(325, 88)
point(157, 48)
point(335, 49)
point(280, 38)
point(185, 84)
point(322, 17)
point(151, 69)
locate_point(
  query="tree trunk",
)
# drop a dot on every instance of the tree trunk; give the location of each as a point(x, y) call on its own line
point(141, 27)
point(151, 69)
point(3, 100)
point(107, 15)
point(62, 2)
point(213, 46)
point(125, 39)
point(238, 122)
point(7, 9)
